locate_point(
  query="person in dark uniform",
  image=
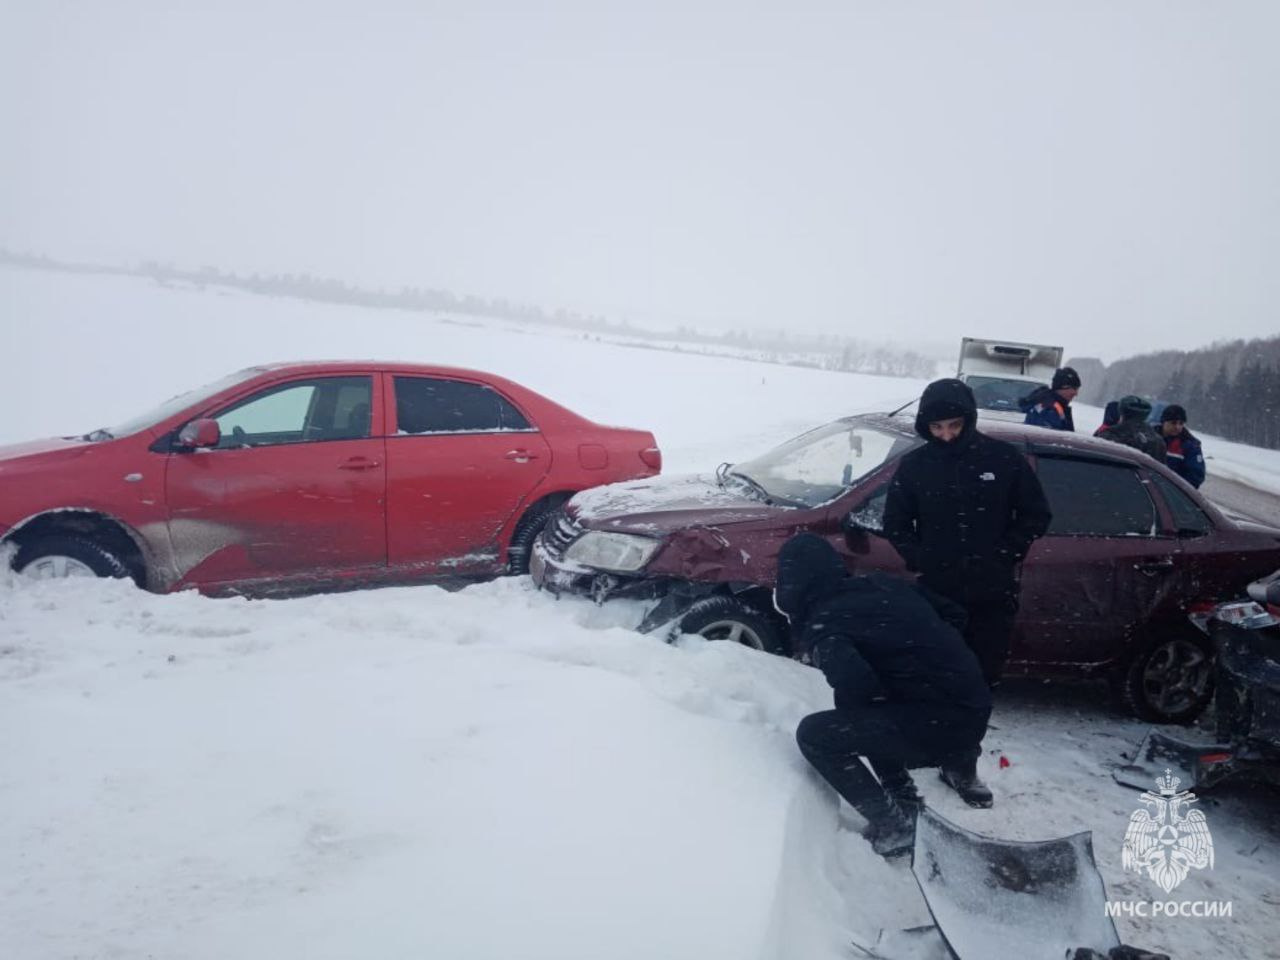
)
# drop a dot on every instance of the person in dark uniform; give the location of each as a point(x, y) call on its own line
point(908, 690)
point(1133, 429)
point(963, 510)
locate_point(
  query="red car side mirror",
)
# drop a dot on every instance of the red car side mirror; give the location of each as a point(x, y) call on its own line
point(200, 433)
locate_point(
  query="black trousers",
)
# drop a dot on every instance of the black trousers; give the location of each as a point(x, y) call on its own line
point(988, 633)
point(991, 606)
point(893, 737)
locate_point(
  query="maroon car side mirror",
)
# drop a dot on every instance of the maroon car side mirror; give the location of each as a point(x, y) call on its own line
point(200, 433)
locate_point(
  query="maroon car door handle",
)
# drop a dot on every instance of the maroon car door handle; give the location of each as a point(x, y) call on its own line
point(1155, 566)
point(358, 463)
point(520, 456)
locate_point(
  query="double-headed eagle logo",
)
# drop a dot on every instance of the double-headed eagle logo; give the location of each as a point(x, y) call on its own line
point(1164, 840)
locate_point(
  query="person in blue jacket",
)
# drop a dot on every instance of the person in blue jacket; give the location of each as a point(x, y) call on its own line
point(1183, 452)
point(1051, 406)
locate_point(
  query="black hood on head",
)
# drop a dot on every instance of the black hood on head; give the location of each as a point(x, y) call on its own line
point(946, 400)
point(809, 571)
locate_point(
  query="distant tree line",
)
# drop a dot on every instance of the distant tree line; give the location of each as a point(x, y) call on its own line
point(1229, 389)
point(821, 351)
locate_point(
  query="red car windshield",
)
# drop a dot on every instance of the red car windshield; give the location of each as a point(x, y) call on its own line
point(173, 405)
point(818, 466)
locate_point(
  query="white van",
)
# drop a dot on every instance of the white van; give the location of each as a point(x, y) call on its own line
point(1002, 372)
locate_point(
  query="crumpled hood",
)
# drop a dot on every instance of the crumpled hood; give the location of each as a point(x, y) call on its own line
point(663, 505)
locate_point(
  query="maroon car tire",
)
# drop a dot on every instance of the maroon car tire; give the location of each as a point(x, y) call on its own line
point(93, 555)
point(1170, 680)
point(727, 618)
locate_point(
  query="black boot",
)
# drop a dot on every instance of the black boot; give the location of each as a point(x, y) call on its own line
point(893, 833)
point(902, 791)
point(963, 778)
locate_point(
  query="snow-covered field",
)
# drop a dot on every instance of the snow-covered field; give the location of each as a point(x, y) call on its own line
point(490, 773)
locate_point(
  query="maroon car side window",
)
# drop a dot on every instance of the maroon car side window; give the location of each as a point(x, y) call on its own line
point(1188, 519)
point(1096, 499)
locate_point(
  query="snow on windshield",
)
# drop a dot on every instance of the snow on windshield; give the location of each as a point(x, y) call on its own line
point(180, 402)
point(820, 465)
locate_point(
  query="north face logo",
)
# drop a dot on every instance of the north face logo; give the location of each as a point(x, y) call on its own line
point(987, 476)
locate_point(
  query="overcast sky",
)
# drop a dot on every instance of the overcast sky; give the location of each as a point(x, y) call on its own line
point(1100, 175)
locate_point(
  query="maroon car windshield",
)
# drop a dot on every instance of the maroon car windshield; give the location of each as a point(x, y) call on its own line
point(818, 466)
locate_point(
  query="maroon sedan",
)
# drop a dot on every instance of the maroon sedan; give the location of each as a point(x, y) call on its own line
point(307, 475)
point(1106, 593)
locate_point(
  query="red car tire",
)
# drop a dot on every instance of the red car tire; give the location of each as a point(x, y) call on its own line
point(81, 550)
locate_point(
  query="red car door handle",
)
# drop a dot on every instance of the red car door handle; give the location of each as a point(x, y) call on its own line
point(1155, 566)
point(358, 463)
point(520, 456)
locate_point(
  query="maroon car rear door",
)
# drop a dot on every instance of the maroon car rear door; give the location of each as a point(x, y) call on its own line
point(293, 489)
point(462, 460)
point(1090, 585)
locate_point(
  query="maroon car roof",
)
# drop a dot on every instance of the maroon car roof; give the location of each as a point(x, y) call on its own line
point(1037, 439)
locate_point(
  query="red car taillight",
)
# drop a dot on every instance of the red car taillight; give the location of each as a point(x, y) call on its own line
point(652, 457)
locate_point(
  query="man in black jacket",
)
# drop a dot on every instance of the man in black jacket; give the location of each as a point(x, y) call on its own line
point(908, 691)
point(963, 510)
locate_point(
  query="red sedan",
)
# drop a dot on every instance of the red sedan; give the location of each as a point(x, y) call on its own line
point(308, 475)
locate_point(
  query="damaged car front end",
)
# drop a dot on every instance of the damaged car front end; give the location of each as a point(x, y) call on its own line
point(675, 568)
point(704, 548)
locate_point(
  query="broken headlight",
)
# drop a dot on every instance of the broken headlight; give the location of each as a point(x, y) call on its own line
point(620, 552)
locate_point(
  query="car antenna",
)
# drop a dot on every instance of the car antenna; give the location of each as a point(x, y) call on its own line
point(904, 406)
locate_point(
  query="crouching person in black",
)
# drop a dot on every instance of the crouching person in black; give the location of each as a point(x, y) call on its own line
point(908, 690)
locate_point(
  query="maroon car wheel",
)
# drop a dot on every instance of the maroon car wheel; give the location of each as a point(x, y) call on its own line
point(1171, 680)
point(728, 618)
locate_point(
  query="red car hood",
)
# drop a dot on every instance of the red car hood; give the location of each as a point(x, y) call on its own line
point(35, 448)
point(663, 505)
